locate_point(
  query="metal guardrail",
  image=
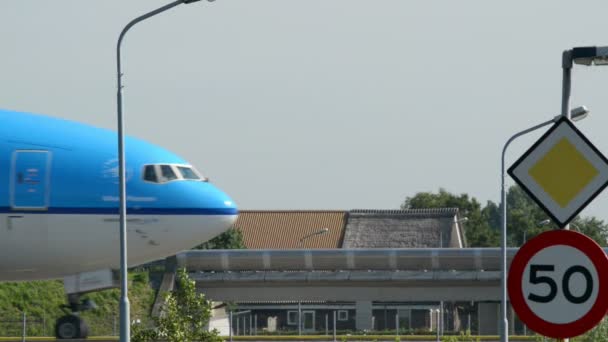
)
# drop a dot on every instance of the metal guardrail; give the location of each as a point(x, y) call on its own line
point(459, 259)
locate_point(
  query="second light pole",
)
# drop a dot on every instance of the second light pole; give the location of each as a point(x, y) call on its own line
point(577, 114)
point(125, 329)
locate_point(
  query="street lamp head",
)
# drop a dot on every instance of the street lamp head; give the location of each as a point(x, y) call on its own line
point(576, 114)
point(579, 113)
point(544, 222)
point(589, 55)
point(318, 232)
point(190, 1)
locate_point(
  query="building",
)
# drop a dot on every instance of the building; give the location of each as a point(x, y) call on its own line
point(288, 229)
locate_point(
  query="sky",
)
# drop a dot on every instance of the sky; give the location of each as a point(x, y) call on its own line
point(315, 104)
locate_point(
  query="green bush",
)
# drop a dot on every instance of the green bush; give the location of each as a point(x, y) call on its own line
point(597, 334)
point(185, 316)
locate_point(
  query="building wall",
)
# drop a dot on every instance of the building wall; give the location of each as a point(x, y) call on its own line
point(261, 316)
point(409, 319)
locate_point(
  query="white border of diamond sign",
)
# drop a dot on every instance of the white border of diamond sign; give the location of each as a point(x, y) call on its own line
point(563, 128)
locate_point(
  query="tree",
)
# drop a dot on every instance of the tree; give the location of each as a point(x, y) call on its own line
point(230, 239)
point(185, 317)
point(478, 232)
point(597, 334)
point(525, 219)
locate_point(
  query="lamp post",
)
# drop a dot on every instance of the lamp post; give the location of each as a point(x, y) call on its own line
point(125, 331)
point(319, 232)
point(578, 113)
point(587, 55)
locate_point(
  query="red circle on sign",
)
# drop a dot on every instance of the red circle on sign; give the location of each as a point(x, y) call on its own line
point(516, 272)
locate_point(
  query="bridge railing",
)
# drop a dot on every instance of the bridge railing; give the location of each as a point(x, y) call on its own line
point(478, 259)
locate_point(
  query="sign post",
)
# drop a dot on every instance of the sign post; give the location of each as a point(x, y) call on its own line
point(558, 283)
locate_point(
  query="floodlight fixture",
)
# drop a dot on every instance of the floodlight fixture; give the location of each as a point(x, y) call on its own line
point(590, 55)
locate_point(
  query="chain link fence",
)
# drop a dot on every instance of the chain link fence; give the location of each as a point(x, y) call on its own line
point(22, 324)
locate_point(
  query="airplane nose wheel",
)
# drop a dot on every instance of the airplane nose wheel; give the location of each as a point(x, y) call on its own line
point(70, 327)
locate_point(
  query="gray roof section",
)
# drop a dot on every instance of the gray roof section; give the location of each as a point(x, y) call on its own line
point(412, 228)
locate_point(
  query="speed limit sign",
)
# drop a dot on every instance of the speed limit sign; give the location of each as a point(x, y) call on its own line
point(558, 283)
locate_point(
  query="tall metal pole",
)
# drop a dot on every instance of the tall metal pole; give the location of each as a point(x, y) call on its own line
point(566, 87)
point(230, 325)
point(299, 318)
point(442, 317)
point(504, 324)
point(566, 82)
point(438, 319)
point(24, 326)
point(334, 325)
point(125, 329)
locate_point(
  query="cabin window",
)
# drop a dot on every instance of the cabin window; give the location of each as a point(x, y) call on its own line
point(188, 173)
point(342, 315)
point(167, 172)
point(150, 173)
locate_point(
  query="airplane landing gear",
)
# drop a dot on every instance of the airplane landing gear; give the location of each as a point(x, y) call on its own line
point(71, 325)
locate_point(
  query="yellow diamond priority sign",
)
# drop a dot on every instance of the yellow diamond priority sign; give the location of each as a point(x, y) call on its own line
point(562, 171)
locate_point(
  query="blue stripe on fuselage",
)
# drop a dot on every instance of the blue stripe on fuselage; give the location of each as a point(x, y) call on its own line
point(130, 211)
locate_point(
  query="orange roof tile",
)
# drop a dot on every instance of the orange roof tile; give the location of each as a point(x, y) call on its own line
point(268, 229)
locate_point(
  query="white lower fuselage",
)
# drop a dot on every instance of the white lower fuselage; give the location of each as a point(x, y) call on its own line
point(47, 246)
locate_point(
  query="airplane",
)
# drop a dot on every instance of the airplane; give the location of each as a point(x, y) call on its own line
point(59, 206)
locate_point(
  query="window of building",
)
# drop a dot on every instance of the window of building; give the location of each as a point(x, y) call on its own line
point(292, 317)
point(150, 173)
point(188, 173)
point(167, 172)
point(342, 315)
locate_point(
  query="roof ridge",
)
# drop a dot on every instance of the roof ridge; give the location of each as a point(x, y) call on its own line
point(406, 211)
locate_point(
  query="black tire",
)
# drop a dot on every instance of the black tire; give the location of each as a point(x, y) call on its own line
point(84, 329)
point(70, 327)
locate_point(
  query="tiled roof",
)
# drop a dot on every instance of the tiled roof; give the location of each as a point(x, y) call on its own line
point(414, 228)
point(285, 228)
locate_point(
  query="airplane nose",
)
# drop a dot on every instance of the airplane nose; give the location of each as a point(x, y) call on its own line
point(223, 210)
point(223, 203)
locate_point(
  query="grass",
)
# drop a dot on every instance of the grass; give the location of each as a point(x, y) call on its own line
point(41, 301)
point(304, 338)
point(391, 338)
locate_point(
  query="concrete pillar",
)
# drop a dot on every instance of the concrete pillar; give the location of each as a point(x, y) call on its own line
point(488, 314)
point(363, 316)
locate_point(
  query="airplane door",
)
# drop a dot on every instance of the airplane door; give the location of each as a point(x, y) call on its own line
point(30, 179)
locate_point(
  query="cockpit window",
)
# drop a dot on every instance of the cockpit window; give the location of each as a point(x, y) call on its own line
point(167, 172)
point(150, 173)
point(188, 173)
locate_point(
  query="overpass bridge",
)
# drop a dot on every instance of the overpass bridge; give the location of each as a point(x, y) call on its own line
point(426, 274)
point(363, 276)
